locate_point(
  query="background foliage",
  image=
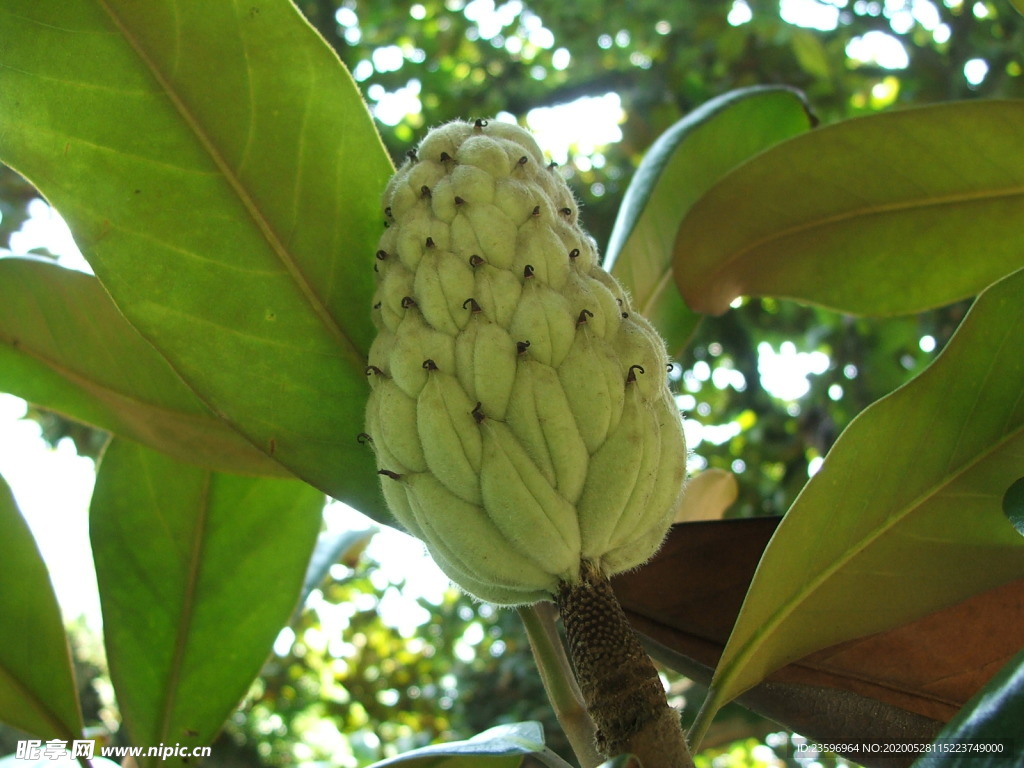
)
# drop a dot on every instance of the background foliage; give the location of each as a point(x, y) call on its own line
point(467, 667)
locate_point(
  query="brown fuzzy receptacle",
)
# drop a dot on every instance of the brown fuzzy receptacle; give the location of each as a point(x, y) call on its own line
point(620, 685)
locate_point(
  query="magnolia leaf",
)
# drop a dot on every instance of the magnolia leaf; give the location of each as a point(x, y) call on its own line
point(37, 686)
point(904, 517)
point(504, 746)
point(677, 169)
point(332, 547)
point(986, 733)
point(809, 48)
point(889, 213)
point(198, 571)
point(901, 684)
point(222, 174)
point(708, 496)
point(65, 346)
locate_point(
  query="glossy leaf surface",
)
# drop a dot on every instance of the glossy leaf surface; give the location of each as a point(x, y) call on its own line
point(198, 571)
point(863, 216)
point(677, 169)
point(904, 517)
point(986, 734)
point(1013, 505)
point(37, 687)
point(64, 346)
point(220, 171)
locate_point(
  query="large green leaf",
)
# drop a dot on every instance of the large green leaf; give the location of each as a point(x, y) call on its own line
point(37, 687)
point(221, 172)
point(885, 214)
point(677, 169)
point(198, 571)
point(905, 516)
point(64, 346)
point(987, 731)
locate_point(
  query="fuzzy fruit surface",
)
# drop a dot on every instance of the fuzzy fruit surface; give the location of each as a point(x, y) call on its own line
point(519, 409)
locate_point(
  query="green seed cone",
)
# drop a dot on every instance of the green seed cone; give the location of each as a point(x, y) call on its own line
point(520, 413)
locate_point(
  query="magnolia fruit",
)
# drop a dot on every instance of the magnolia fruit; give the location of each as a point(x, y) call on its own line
point(519, 409)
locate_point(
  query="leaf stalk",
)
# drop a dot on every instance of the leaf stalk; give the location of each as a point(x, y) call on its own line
point(560, 682)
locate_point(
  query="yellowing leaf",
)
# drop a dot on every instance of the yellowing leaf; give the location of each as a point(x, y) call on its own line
point(708, 496)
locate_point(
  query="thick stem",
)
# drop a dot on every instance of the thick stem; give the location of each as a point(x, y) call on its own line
point(620, 685)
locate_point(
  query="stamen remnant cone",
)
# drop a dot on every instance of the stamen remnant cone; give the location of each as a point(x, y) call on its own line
point(620, 685)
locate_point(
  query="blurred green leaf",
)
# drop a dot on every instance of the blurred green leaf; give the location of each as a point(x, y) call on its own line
point(891, 213)
point(987, 729)
point(198, 572)
point(810, 52)
point(220, 171)
point(904, 517)
point(331, 547)
point(64, 346)
point(37, 686)
point(677, 169)
point(504, 746)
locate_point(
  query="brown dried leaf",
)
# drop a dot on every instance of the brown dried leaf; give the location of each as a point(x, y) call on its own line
point(898, 684)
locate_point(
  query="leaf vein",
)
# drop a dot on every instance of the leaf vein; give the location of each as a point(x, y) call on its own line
point(347, 346)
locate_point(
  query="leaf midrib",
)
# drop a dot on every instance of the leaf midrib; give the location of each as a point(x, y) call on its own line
point(55, 722)
point(103, 391)
point(777, 618)
point(864, 212)
point(284, 256)
point(184, 624)
point(812, 586)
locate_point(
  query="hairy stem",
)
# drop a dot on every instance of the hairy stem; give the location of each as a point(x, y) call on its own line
point(620, 685)
point(559, 682)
